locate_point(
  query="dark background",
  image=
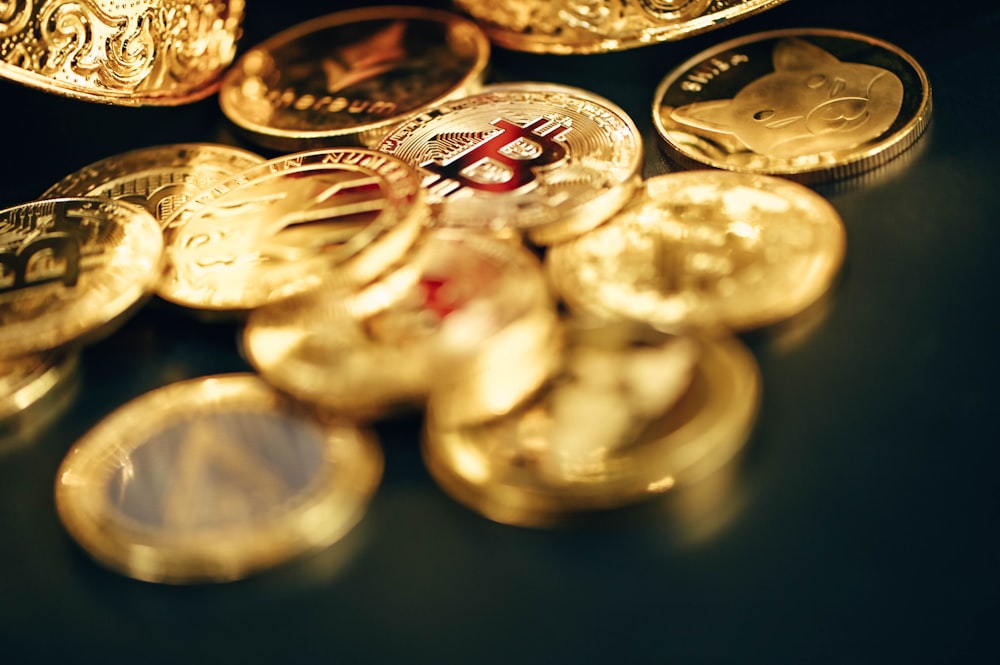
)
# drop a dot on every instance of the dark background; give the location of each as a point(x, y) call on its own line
point(860, 526)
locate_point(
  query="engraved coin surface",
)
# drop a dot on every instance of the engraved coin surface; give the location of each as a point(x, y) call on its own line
point(341, 214)
point(705, 249)
point(350, 76)
point(620, 423)
point(213, 479)
point(809, 104)
point(159, 178)
point(549, 158)
point(468, 290)
point(594, 26)
point(71, 269)
point(124, 52)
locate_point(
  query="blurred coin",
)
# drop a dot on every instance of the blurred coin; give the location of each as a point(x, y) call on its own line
point(158, 178)
point(596, 26)
point(343, 215)
point(213, 479)
point(809, 104)
point(348, 77)
point(27, 380)
point(546, 158)
point(72, 269)
point(705, 249)
point(467, 291)
point(619, 424)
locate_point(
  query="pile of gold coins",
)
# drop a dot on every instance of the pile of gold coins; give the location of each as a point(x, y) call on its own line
point(487, 253)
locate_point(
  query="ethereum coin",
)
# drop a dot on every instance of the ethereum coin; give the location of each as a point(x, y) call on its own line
point(71, 269)
point(547, 158)
point(348, 77)
point(213, 479)
point(617, 425)
point(342, 215)
point(158, 178)
point(595, 26)
point(469, 292)
point(705, 249)
point(808, 104)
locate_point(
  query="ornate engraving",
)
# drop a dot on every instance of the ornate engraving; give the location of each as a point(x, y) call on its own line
point(14, 15)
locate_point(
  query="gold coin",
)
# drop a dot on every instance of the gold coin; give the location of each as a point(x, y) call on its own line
point(213, 479)
point(808, 104)
point(124, 52)
point(27, 380)
point(469, 289)
point(158, 178)
point(621, 423)
point(72, 269)
point(597, 26)
point(546, 158)
point(342, 215)
point(348, 77)
point(705, 249)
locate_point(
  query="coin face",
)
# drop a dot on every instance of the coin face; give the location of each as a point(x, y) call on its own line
point(213, 479)
point(529, 156)
point(348, 77)
point(468, 289)
point(594, 26)
point(342, 214)
point(620, 423)
point(705, 249)
point(160, 178)
point(70, 269)
point(811, 105)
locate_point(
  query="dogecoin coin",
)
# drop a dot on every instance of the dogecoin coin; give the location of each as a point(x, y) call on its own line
point(618, 425)
point(596, 26)
point(546, 158)
point(343, 215)
point(71, 269)
point(213, 479)
point(808, 104)
point(348, 77)
point(470, 291)
point(705, 249)
point(158, 178)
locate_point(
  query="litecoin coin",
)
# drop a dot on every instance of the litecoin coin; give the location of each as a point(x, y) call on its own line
point(811, 105)
point(213, 479)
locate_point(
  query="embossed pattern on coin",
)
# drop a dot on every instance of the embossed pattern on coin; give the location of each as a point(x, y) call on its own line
point(213, 479)
point(348, 77)
point(811, 105)
point(159, 178)
point(342, 215)
point(125, 52)
point(705, 249)
point(70, 269)
point(470, 290)
point(594, 26)
point(668, 415)
point(542, 157)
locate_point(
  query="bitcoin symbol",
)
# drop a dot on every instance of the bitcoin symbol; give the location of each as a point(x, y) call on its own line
point(505, 161)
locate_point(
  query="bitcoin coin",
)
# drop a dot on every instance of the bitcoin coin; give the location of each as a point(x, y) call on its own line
point(72, 269)
point(809, 104)
point(348, 77)
point(705, 249)
point(158, 178)
point(471, 290)
point(619, 424)
point(123, 52)
point(213, 479)
point(596, 26)
point(342, 215)
point(545, 158)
